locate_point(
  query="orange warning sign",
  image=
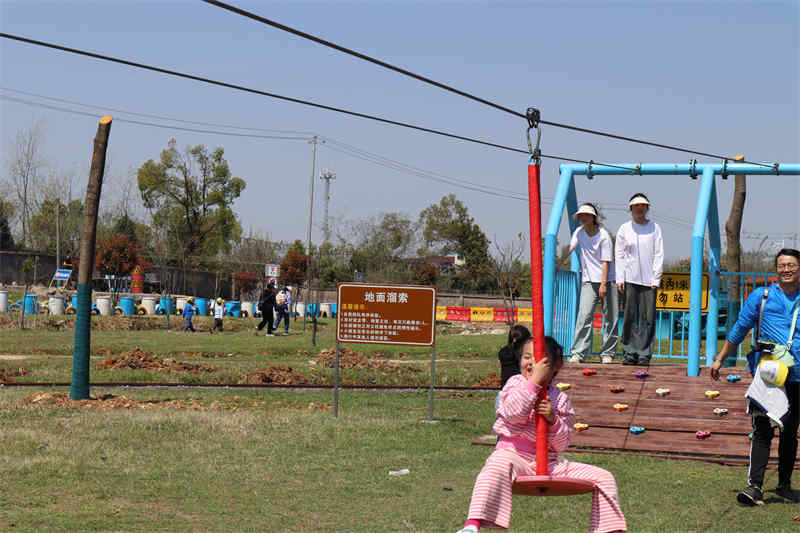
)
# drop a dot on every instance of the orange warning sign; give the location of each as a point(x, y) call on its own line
point(386, 314)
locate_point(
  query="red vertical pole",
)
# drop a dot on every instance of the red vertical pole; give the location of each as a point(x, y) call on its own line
point(537, 304)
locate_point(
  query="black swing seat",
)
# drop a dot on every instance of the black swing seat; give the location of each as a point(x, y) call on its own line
point(550, 486)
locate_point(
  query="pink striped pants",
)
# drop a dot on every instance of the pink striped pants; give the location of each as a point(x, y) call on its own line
point(491, 497)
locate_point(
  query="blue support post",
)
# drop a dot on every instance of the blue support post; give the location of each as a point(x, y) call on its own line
point(549, 274)
point(714, 260)
point(572, 207)
point(696, 273)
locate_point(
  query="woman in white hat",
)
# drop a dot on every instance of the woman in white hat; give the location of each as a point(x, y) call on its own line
point(640, 263)
point(597, 284)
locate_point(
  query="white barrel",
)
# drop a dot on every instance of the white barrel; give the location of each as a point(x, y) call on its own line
point(249, 308)
point(180, 304)
point(325, 310)
point(55, 305)
point(3, 301)
point(104, 305)
point(149, 303)
point(299, 308)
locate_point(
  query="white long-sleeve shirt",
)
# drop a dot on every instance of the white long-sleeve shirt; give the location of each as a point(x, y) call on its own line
point(639, 254)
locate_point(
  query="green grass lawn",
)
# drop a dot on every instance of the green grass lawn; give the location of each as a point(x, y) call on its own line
point(279, 461)
point(200, 460)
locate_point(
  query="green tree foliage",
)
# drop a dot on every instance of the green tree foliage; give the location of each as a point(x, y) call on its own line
point(332, 266)
point(6, 239)
point(42, 226)
point(448, 229)
point(190, 195)
point(381, 245)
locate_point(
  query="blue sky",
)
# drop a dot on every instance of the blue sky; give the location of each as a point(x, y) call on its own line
point(719, 77)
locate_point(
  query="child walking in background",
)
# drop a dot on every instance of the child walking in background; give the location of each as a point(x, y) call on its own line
point(219, 311)
point(515, 452)
point(188, 312)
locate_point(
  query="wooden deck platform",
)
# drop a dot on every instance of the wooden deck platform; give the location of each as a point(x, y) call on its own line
point(670, 421)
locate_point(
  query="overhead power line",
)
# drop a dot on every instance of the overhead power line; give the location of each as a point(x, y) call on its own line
point(294, 100)
point(152, 124)
point(334, 144)
point(465, 94)
point(106, 109)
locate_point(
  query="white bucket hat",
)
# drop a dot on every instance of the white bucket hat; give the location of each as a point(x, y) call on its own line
point(585, 209)
point(638, 199)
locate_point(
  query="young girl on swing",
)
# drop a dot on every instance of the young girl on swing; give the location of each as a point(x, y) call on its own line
point(515, 452)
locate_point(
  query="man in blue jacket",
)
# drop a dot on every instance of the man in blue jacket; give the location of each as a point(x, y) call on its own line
point(783, 297)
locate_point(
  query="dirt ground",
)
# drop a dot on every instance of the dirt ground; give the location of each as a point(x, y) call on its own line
point(141, 360)
point(7, 373)
point(491, 382)
point(350, 359)
point(278, 375)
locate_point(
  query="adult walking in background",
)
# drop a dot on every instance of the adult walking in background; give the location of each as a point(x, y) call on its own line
point(639, 254)
point(777, 305)
point(267, 304)
point(283, 303)
point(597, 285)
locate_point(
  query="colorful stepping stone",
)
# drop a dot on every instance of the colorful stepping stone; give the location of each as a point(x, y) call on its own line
point(662, 392)
point(589, 371)
point(733, 378)
point(720, 411)
point(711, 394)
point(636, 430)
point(620, 406)
point(702, 434)
point(563, 386)
point(641, 374)
point(617, 388)
point(580, 427)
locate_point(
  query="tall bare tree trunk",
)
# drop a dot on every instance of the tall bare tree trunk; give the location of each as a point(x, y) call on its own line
point(733, 229)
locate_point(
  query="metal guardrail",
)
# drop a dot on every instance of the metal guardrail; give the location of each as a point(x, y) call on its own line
point(672, 327)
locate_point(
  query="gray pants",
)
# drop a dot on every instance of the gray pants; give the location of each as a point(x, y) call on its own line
point(590, 295)
point(639, 324)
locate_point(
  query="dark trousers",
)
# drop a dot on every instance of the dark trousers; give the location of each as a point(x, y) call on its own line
point(787, 446)
point(283, 314)
point(217, 325)
point(267, 318)
point(639, 325)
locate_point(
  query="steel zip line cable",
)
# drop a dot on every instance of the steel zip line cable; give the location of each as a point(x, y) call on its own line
point(290, 99)
point(435, 83)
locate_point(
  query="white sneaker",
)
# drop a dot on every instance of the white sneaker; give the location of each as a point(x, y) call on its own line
point(468, 529)
point(606, 359)
point(576, 359)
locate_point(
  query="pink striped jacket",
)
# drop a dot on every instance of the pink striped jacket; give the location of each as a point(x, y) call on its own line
point(515, 418)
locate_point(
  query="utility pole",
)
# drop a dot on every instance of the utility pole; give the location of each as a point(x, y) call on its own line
point(58, 232)
point(314, 141)
point(327, 175)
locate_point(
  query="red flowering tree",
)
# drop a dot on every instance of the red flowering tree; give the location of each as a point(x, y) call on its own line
point(116, 256)
point(245, 282)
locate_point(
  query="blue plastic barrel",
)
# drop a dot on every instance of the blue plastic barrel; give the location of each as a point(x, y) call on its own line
point(202, 306)
point(127, 305)
point(333, 309)
point(30, 304)
point(233, 309)
point(75, 302)
point(312, 310)
point(165, 305)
